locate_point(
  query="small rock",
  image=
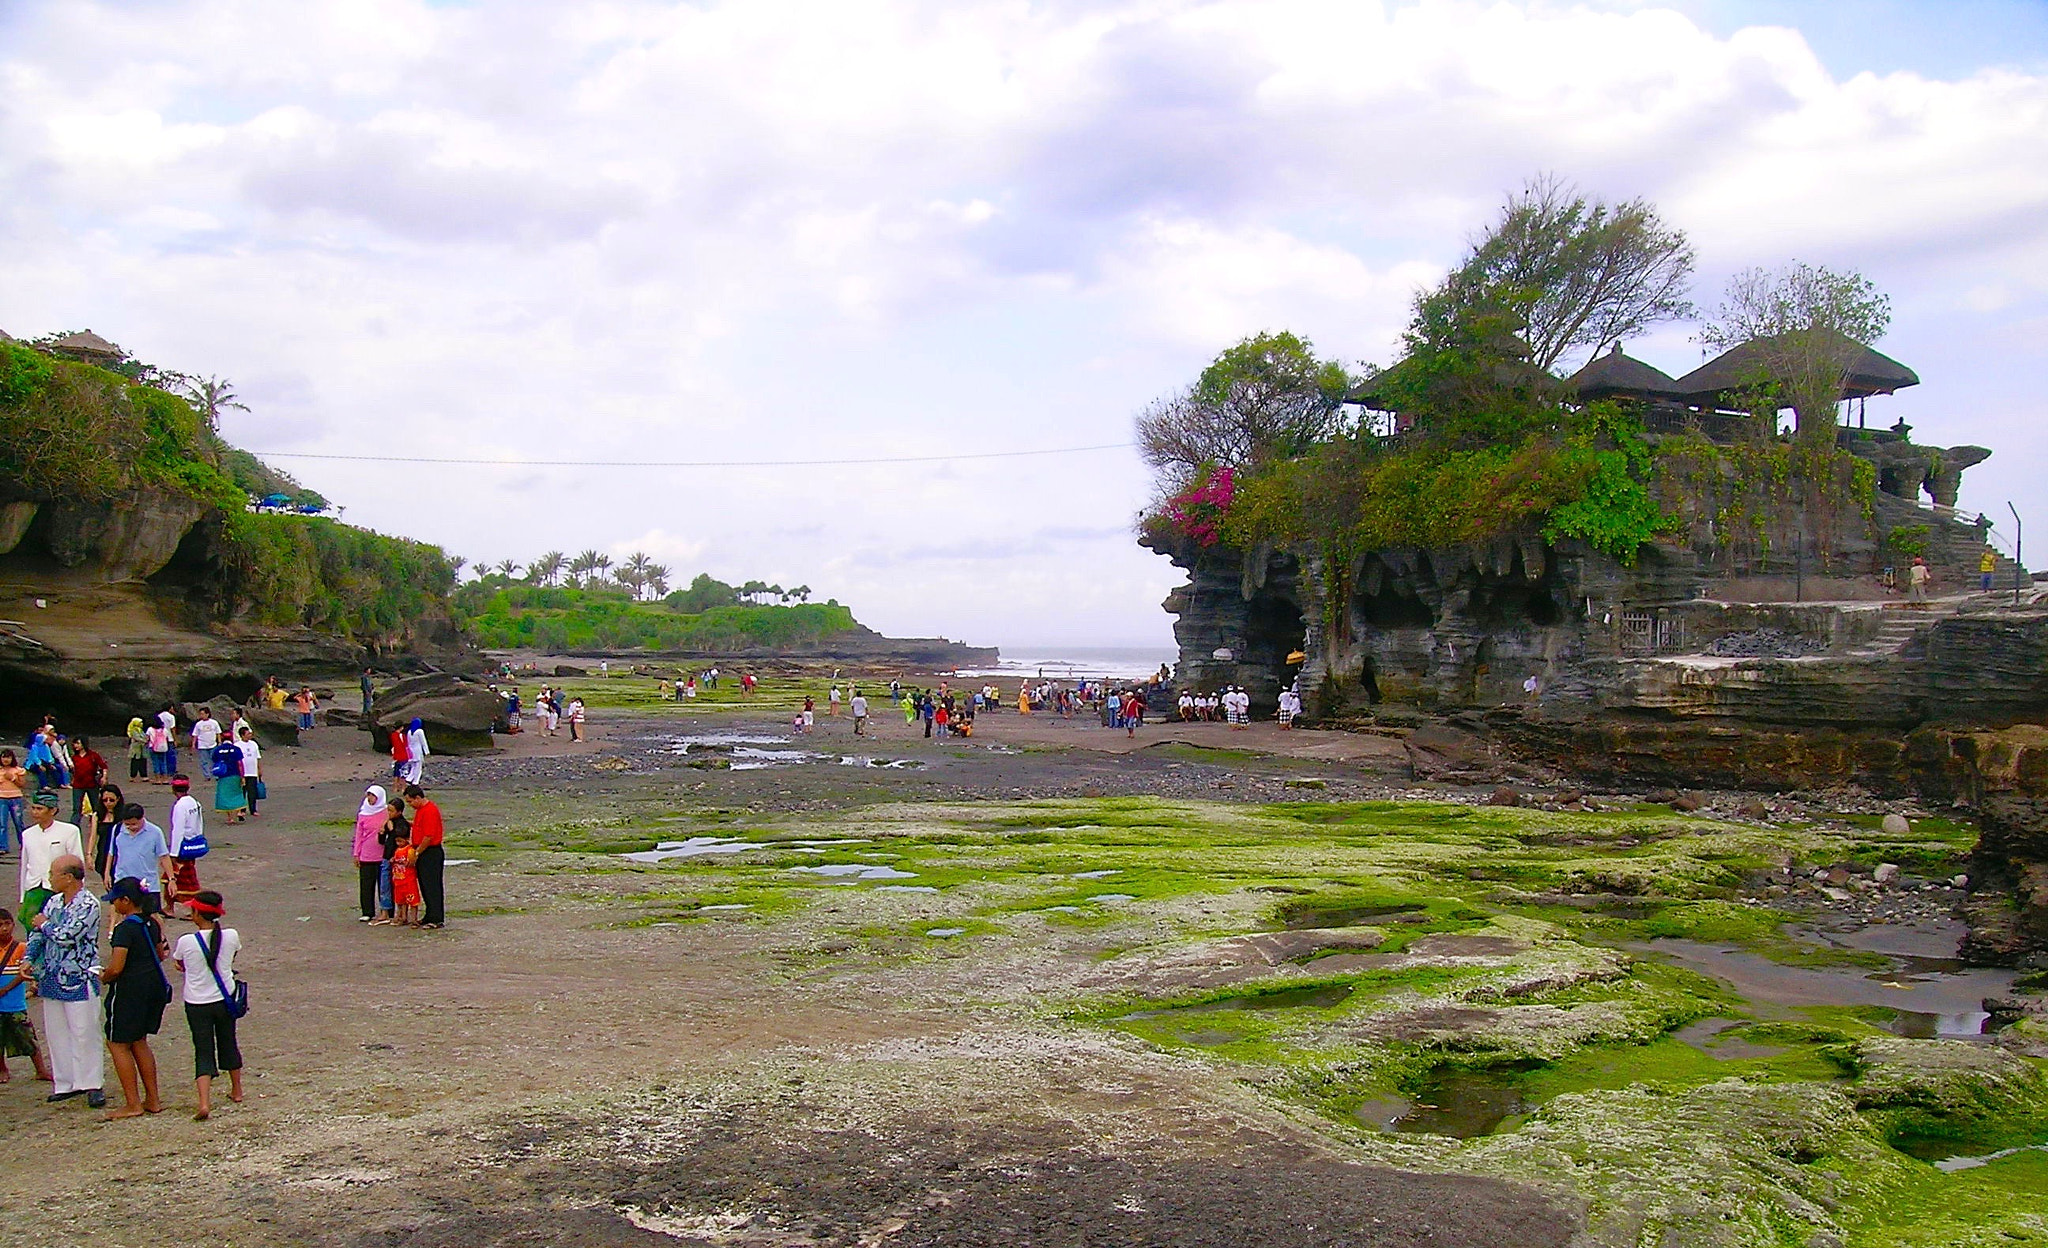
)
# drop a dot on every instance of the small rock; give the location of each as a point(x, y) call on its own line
point(1886, 872)
point(1308, 784)
point(1959, 881)
point(1836, 894)
point(1570, 797)
point(610, 764)
point(1820, 873)
point(1838, 876)
point(1662, 797)
point(1687, 804)
point(1504, 796)
point(1754, 811)
point(1897, 825)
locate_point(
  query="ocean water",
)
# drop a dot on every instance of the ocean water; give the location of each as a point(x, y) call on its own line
point(1076, 662)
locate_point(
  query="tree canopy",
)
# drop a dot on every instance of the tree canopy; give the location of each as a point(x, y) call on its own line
point(1266, 397)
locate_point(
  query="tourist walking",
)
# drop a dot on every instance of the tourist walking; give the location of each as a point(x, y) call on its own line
point(368, 855)
point(43, 842)
point(206, 959)
point(188, 846)
point(17, 1034)
point(429, 857)
point(106, 822)
point(575, 717)
point(137, 993)
point(141, 853)
point(252, 766)
point(167, 719)
point(162, 757)
point(138, 750)
point(64, 948)
point(860, 714)
point(14, 786)
point(88, 773)
point(230, 795)
point(1917, 578)
point(416, 751)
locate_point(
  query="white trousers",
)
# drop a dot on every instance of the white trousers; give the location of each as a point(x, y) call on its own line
point(78, 1060)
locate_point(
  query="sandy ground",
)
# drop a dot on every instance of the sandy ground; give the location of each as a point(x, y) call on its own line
point(543, 1078)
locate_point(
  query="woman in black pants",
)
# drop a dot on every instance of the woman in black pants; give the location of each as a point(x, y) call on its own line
point(369, 855)
point(207, 957)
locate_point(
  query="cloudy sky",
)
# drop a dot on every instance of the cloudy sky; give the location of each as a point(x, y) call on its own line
point(855, 229)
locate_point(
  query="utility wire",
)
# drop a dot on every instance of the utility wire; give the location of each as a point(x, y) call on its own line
point(677, 463)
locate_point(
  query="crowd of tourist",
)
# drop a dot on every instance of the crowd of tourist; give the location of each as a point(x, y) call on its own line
point(96, 1006)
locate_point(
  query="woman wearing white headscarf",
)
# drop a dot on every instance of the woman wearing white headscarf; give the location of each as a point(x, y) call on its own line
point(416, 740)
point(369, 855)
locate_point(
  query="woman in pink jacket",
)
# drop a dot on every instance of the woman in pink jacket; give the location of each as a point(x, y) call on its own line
point(369, 854)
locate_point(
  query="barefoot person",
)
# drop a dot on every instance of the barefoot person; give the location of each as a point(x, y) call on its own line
point(63, 949)
point(207, 959)
point(137, 993)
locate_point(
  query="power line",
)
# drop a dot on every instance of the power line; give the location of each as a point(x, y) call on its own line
point(687, 463)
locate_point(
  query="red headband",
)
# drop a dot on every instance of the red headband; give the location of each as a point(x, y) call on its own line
point(210, 911)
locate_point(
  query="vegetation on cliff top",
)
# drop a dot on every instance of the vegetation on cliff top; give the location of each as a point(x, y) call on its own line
point(505, 614)
point(1486, 439)
point(80, 432)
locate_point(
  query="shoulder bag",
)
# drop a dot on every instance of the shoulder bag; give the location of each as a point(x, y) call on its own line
point(237, 999)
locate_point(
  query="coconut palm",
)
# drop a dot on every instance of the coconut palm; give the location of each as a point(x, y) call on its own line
point(629, 579)
point(585, 565)
point(547, 569)
point(507, 568)
point(210, 396)
point(657, 580)
point(601, 570)
point(456, 563)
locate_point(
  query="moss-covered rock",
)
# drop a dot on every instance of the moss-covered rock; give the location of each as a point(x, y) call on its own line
point(1924, 1090)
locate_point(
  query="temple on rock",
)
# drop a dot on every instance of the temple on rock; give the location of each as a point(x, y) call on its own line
point(1776, 597)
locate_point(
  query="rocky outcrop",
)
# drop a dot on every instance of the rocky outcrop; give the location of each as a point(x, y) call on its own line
point(456, 712)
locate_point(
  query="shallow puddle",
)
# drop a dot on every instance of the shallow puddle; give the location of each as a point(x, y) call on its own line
point(1927, 1003)
point(858, 871)
point(1952, 1164)
point(695, 847)
point(1709, 1036)
point(1297, 918)
point(1461, 1105)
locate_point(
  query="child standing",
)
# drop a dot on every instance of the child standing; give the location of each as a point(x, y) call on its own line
point(405, 884)
point(17, 1036)
point(207, 957)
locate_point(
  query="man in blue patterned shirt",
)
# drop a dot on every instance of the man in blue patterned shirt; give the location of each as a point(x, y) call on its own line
point(64, 948)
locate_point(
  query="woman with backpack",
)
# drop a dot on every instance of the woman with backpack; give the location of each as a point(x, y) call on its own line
point(214, 999)
point(230, 796)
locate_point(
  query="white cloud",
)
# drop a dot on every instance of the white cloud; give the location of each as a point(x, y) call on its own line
point(806, 229)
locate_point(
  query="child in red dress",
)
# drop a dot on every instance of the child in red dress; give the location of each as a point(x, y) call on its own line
point(405, 885)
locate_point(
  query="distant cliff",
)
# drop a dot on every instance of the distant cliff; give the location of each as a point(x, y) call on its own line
point(132, 570)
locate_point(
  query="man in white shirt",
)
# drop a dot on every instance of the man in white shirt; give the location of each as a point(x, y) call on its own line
point(860, 713)
point(43, 841)
point(188, 821)
point(205, 732)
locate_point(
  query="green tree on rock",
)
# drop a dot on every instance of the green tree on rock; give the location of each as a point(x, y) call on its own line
point(1806, 326)
point(1266, 398)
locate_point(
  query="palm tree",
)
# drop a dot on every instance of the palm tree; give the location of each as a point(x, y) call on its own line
point(507, 568)
point(801, 593)
point(547, 569)
point(584, 566)
point(212, 396)
point(657, 579)
point(456, 563)
point(601, 568)
point(629, 577)
point(634, 573)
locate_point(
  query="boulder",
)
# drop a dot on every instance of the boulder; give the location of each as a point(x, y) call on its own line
point(1897, 825)
point(563, 669)
point(341, 717)
point(1886, 873)
point(456, 712)
point(1504, 796)
point(1754, 811)
point(1685, 804)
point(273, 727)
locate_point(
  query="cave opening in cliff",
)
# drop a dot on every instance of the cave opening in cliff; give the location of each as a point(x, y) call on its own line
point(1274, 628)
point(190, 564)
point(1507, 605)
point(1394, 605)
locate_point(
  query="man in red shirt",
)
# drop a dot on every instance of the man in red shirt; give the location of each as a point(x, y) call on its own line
point(88, 773)
point(428, 856)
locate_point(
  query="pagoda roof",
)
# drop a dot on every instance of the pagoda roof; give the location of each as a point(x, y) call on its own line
point(1616, 374)
point(1864, 371)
